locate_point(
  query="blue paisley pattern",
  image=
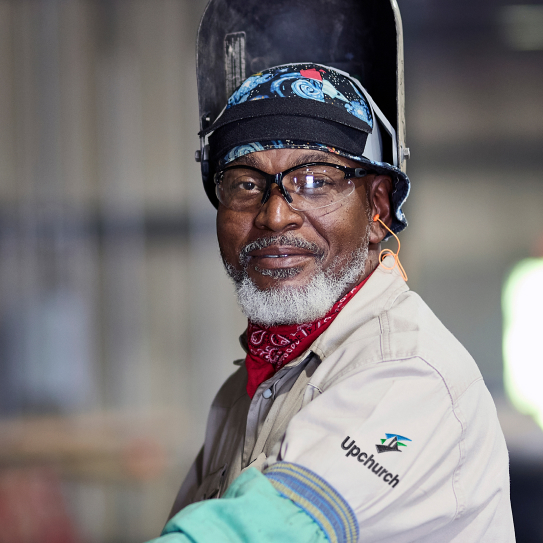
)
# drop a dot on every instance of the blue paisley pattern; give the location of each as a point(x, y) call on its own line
point(242, 150)
point(359, 109)
point(331, 91)
point(279, 85)
point(308, 89)
point(243, 92)
point(308, 81)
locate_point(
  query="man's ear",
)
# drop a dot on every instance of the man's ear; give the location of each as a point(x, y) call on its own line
point(380, 189)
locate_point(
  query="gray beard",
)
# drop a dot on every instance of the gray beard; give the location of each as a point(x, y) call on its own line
point(295, 305)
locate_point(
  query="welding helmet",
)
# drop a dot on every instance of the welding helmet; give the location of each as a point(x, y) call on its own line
point(347, 53)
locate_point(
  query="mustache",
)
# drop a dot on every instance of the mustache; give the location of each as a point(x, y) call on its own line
point(283, 240)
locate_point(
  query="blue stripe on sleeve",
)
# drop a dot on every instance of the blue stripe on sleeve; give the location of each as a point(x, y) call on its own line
point(317, 498)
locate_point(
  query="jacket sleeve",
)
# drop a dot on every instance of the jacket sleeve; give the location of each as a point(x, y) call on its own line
point(251, 510)
point(386, 453)
point(415, 460)
point(191, 483)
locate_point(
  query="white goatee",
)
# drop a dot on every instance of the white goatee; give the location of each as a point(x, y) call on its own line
point(295, 305)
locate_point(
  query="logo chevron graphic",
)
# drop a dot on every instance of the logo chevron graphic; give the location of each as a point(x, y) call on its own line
point(392, 442)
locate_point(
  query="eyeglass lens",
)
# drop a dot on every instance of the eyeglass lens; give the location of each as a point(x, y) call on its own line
point(310, 187)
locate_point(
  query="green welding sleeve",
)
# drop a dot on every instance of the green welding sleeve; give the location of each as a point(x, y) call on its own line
point(252, 509)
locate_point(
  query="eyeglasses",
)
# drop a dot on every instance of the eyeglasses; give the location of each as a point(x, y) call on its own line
point(309, 186)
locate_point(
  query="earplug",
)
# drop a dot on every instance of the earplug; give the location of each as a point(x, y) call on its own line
point(385, 252)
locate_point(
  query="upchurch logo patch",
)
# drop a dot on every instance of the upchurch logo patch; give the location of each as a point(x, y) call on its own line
point(369, 461)
point(392, 442)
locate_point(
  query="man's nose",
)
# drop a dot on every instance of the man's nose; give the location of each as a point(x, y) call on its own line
point(276, 215)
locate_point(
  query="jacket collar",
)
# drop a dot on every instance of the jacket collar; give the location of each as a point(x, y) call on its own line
point(376, 296)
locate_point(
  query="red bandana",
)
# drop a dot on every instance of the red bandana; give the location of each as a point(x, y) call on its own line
point(270, 348)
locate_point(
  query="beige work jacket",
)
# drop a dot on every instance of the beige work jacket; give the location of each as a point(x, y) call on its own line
point(389, 409)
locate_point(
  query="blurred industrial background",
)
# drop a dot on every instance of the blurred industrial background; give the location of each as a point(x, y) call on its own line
point(117, 323)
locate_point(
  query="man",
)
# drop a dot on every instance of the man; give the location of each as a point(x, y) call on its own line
point(356, 416)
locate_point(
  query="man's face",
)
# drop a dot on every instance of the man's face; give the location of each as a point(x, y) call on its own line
point(329, 236)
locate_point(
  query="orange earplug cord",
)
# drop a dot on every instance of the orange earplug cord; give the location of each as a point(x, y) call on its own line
point(385, 252)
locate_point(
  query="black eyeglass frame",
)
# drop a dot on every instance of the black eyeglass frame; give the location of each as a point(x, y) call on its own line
point(277, 178)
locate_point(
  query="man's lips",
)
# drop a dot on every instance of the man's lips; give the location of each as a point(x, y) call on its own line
point(275, 251)
point(285, 251)
point(279, 257)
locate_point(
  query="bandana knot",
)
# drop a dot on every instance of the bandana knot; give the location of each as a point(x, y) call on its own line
point(271, 347)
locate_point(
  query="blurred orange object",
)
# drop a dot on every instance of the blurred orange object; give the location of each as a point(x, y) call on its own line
point(33, 509)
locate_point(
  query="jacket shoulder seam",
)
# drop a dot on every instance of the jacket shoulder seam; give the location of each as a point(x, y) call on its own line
point(455, 480)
